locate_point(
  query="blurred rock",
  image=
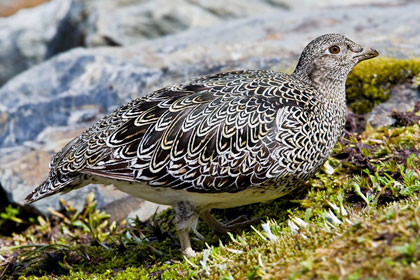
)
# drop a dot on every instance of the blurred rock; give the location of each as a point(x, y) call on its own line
point(44, 107)
point(32, 35)
point(55, 92)
point(310, 5)
point(122, 208)
point(124, 23)
point(403, 98)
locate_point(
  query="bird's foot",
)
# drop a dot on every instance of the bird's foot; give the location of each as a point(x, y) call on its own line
point(189, 252)
point(235, 225)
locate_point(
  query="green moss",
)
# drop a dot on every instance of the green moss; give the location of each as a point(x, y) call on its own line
point(370, 82)
point(374, 244)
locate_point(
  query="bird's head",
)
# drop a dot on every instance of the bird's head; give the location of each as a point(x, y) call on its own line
point(330, 58)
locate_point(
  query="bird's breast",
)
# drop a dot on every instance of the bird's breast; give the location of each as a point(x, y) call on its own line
point(305, 139)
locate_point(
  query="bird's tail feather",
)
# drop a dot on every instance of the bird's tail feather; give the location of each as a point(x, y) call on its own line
point(52, 185)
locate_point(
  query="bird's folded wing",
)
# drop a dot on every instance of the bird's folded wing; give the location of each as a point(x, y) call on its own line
point(219, 133)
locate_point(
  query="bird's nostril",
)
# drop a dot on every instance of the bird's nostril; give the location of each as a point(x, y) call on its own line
point(357, 49)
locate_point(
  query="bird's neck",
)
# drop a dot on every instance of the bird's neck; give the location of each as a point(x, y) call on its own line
point(330, 86)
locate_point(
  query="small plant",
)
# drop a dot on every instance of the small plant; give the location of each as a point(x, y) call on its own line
point(11, 213)
point(14, 218)
point(89, 221)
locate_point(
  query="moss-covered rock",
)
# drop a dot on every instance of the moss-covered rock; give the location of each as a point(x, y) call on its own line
point(371, 81)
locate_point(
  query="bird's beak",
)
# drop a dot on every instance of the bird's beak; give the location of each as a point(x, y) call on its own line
point(366, 53)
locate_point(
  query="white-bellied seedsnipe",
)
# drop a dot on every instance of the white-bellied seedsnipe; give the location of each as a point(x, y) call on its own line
point(218, 141)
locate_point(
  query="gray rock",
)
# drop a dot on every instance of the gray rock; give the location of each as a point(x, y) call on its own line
point(32, 35)
point(52, 93)
point(125, 22)
point(310, 5)
point(122, 208)
point(403, 99)
point(44, 107)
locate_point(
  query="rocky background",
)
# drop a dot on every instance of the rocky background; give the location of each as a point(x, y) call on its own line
point(66, 63)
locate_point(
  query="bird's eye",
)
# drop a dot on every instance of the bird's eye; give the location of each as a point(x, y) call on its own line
point(334, 49)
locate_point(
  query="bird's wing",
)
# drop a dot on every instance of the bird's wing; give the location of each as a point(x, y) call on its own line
point(218, 133)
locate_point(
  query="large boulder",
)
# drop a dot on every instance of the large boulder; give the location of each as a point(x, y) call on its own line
point(44, 107)
point(33, 35)
point(129, 22)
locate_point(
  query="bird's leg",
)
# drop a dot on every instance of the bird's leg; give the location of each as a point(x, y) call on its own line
point(186, 218)
point(240, 219)
point(238, 224)
point(184, 239)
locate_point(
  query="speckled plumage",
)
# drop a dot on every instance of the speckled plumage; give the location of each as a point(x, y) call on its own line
point(218, 141)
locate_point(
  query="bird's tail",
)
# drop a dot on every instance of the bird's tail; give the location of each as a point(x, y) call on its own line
point(52, 185)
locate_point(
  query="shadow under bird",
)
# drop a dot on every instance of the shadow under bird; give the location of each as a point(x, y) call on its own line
point(218, 141)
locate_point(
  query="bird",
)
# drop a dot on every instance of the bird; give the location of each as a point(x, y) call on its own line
point(217, 141)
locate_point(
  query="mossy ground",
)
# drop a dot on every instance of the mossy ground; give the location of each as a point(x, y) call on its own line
point(371, 81)
point(357, 219)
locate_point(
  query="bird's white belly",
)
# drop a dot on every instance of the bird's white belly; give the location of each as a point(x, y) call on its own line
point(168, 196)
